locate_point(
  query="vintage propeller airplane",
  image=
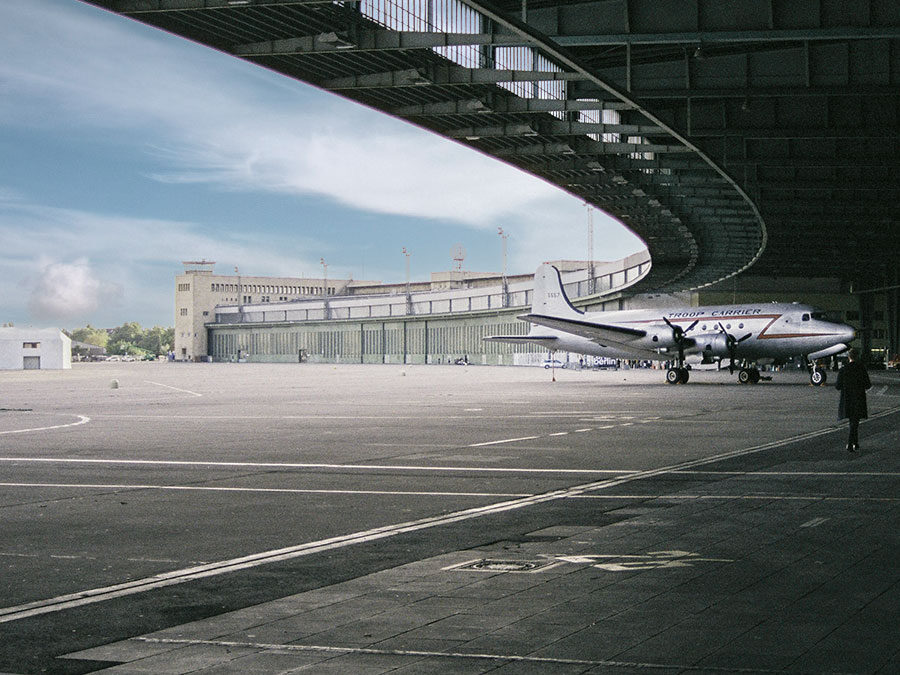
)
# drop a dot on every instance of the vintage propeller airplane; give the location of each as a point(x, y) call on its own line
point(745, 334)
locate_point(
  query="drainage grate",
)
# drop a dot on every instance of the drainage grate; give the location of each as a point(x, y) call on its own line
point(497, 565)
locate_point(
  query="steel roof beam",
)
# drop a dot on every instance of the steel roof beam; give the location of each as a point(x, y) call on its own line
point(501, 130)
point(444, 76)
point(806, 163)
point(780, 132)
point(635, 148)
point(153, 6)
point(705, 38)
point(535, 149)
point(560, 128)
point(594, 161)
point(699, 92)
point(505, 104)
point(357, 39)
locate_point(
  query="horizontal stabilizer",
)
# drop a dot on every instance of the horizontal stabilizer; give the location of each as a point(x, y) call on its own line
point(522, 339)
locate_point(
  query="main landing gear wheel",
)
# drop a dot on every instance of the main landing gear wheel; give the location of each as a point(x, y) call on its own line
point(677, 375)
point(748, 376)
point(818, 377)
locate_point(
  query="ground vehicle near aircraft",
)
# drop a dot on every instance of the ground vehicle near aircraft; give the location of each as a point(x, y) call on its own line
point(745, 334)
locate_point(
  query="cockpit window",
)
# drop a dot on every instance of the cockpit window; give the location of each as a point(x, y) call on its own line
point(820, 316)
point(805, 317)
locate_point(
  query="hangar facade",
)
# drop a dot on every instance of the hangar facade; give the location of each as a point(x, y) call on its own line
point(438, 322)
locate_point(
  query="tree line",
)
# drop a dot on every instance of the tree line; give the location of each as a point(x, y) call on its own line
point(129, 338)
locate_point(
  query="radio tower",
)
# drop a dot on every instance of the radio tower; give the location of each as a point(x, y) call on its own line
point(504, 236)
point(458, 253)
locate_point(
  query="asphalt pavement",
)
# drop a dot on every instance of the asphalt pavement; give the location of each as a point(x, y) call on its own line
point(234, 518)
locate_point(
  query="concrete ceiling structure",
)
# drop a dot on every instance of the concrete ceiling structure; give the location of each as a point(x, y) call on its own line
point(727, 134)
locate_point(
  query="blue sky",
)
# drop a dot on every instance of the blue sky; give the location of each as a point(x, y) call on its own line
point(126, 150)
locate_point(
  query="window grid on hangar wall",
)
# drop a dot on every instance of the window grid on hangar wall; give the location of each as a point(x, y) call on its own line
point(346, 341)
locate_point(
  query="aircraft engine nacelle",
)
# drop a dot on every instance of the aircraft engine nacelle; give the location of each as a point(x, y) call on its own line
point(712, 345)
point(659, 338)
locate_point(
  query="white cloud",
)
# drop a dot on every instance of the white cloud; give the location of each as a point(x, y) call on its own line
point(68, 265)
point(376, 167)
point(226, 123)
point(64, 291)
point(8, 194)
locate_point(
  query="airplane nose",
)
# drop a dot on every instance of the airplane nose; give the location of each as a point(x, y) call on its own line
point(849, 334)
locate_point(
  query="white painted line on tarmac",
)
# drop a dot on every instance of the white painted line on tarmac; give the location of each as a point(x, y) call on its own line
point(322, 417)
point(219, 488)
point(287, 465)
point(792, 474)
point(458, 656)
point(167, 386)
point(505, 440)
point(815, 522)
point(82, 419)
point(237, 564)
point(756, 497)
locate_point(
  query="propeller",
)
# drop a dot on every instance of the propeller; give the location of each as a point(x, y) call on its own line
point(731, 344)
point(678, 337)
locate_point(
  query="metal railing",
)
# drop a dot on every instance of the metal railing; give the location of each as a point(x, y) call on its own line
point(610, 278)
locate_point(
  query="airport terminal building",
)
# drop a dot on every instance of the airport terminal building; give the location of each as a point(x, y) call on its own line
point(267, 319)
point(366, 322)
point(198, 291)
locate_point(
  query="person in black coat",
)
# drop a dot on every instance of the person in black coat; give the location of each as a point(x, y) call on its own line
point(852, 382)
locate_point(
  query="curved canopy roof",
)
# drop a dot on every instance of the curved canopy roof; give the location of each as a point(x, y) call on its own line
point(725, 133)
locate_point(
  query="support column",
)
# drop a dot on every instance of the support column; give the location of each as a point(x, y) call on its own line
point(892, 314)
point(866, 313)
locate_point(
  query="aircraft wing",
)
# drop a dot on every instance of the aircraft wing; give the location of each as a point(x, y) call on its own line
point(523, 339)
point(607, 335)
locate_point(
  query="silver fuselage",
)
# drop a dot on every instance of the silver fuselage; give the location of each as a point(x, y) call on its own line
point(766, 331)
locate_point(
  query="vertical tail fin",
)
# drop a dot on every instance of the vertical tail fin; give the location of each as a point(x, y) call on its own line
point(549, 297)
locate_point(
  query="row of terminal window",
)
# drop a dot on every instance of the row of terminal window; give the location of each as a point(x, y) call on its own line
point(258, 288)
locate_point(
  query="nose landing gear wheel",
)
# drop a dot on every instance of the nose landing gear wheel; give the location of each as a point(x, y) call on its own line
point(748, 376)
point(818, 377)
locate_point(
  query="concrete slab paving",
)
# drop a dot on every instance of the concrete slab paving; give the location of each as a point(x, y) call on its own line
point(780, 559)
point(765, 594)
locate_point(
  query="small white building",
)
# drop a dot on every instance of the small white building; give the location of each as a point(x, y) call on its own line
point(34, 349)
